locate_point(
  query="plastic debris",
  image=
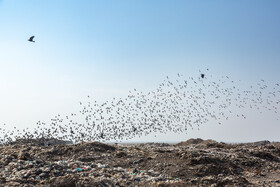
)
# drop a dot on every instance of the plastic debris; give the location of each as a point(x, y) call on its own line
point(194, 162)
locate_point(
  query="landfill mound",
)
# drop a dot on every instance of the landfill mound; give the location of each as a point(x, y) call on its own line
point(195, 162)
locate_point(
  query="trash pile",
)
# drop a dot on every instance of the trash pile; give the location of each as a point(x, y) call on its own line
point(190, 163)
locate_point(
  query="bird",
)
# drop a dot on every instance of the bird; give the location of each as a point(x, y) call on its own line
point(172, 106)
point(31, 39)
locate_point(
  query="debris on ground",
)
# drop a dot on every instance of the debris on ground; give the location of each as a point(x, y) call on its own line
point(195, 162)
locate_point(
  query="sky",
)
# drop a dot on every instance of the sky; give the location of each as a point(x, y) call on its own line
point(106, 48)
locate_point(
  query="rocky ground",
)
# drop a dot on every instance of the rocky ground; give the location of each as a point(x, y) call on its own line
point(194, 162)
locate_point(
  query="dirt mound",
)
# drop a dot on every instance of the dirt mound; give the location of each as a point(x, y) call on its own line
point(203, 143)
point(81, 150)
point(259, 143)
point(190, 141)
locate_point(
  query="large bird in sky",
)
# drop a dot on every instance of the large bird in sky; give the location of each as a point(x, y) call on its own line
point(31, 39)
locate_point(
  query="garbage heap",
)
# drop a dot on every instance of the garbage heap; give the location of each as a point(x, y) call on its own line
point(195, 162)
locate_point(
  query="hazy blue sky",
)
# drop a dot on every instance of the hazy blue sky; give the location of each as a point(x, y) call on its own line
point(106, 48)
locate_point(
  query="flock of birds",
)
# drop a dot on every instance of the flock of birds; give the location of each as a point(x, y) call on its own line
point(175, 105)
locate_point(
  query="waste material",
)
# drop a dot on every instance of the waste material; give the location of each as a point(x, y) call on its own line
point(195, 162)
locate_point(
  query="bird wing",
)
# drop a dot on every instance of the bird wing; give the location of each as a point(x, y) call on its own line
point(31, 38)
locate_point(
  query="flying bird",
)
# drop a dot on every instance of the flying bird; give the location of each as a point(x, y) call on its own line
point(31, 39)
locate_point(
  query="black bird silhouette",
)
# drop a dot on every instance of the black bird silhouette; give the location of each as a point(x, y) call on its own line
point(31, 39)
point(175, 105)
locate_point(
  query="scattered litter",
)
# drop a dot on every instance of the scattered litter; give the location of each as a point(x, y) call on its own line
point(195, 162)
